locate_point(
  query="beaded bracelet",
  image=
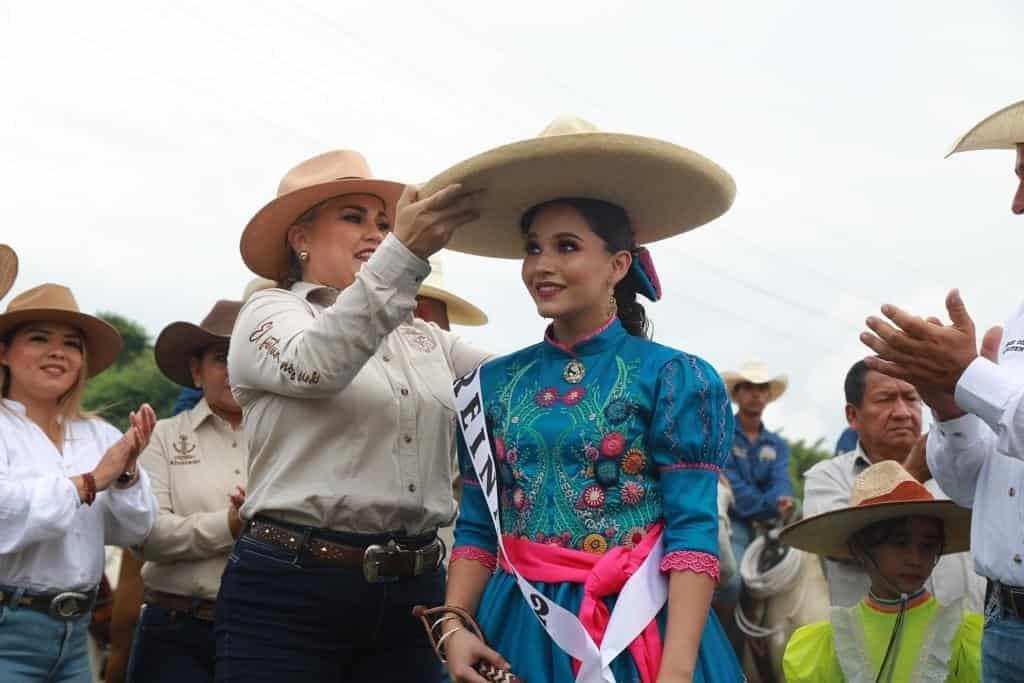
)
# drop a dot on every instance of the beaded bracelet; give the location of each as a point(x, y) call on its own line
point(90, 487)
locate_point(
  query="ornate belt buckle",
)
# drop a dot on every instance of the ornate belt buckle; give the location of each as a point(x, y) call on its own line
point(372, 557)
point(68, 605)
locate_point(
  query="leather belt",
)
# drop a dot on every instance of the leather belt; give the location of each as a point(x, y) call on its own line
point(63, 605)
point(1012, 599)
point(194, 607)
point(379, 562)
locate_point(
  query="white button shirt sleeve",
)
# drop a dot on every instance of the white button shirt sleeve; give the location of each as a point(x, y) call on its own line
point(279, 346)
point(33, 509)
point(955, 451)
point(996, 396)
point(128, 514)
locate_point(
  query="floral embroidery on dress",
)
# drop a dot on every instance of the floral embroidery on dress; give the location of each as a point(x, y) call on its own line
point(574, 396)
point(547, 397)
point(593, 497)
point(612, 444)
point(632, 492)
point(634, 461)
point(618, 411)
point(595, 543)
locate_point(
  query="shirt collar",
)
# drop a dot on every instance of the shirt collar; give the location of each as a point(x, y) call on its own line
point(199, 414)
point(16, 406)
point(597, 341)
point(321, 295)
point(861, 461)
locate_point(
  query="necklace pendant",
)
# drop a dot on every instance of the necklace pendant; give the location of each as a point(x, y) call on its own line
point(574, 371)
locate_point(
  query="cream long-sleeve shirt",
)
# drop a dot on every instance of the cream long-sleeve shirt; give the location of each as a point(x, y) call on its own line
point(194, 460)
point(347, 401)
point(50, 540)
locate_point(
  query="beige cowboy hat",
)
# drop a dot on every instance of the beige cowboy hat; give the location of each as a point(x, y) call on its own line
point(460, 311)
point(257, 284)
point(882, 491)
point(755, 372)
point(264, 247)
point(8, 269)
point(56, 303)
point(1002, 130)
point(664, 188)
point(180, 341)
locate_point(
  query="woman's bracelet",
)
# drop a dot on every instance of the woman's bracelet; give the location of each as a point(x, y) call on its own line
point(90, 487)
point(445, 636)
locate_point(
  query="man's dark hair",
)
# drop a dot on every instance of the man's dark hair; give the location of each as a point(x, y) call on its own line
point(856, 383)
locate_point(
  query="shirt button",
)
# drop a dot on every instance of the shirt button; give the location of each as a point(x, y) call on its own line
point(234, 444)
point(1013, 492)
point(405, 392)
point(386, 358)
point(412, 488)
point(238, 471)
point(1016, 558)
point(407, 438)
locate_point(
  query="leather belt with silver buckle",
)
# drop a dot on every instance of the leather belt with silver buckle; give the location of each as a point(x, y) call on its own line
point(420, 560)
point(64, 605)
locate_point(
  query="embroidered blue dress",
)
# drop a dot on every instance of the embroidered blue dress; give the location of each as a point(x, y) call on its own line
point(591, 464)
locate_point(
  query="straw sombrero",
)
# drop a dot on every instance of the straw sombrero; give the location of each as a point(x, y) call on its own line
point(460, 311)
point(179, 341)
point(8, 269)
point(332, 174)
point(755, 372)
point(56, 303)
point(882, 491)
point(1002, 130)
point(664, 188)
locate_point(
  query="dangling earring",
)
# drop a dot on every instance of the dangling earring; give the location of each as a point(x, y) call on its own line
point(613, 306)
point(199, 384)
point(303, 255)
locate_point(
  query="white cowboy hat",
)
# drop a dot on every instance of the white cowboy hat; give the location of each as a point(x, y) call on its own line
point(8, 269)
point(665, 189)
point(755, 372)
point(1002, 130)
point(460, 311)
point(883, 491)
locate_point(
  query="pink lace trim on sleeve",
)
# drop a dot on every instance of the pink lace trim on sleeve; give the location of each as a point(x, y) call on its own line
point(691, 561)
point(471, 552)
point(690, 466)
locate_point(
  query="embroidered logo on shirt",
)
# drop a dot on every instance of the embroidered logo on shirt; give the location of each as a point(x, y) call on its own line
point(1014, 345)
point(767, 453)
point(419, 341)
point(184, 451)
point(269, 346)
point(739, 452)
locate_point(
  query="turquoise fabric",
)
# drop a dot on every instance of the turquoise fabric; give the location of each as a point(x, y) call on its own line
point(593, 464)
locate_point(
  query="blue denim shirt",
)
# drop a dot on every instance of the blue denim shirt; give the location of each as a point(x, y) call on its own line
point(758, 473)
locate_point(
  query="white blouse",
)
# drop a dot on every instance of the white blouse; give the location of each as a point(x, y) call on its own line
point(50, 540)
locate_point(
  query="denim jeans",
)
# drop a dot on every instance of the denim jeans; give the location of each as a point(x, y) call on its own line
point(171, 646)
point(281, 617)
point(35, 647)
point(1002, 644)
point(742, 535)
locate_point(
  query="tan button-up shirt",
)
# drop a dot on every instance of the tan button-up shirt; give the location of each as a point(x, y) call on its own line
point(194, 460)
point(347, 402)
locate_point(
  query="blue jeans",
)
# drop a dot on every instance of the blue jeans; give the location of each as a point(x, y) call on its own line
point(283, 618)
point(35, 647)
point(171, 646)
point(1002, 644)
point(741, 535)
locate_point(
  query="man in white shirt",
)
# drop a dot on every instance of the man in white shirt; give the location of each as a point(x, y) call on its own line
point(886, 413)
point(976, 450)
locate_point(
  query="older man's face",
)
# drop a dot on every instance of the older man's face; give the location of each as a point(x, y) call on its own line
point(889, 417)
point(1018, 198)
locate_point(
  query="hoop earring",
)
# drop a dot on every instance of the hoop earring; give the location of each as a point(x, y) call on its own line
point(613, 307)
point(303, 255)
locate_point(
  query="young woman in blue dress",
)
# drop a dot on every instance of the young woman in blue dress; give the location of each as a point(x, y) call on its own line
point(607, 446)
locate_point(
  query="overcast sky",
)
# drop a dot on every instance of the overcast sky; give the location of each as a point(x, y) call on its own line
point(138, 139)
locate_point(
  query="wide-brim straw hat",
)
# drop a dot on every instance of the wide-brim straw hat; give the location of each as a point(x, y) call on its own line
point(55, 303)
point(1002, 130)
point(460, 311)
point(332, 174)
point(665, 189)
point(180, 341)
point(756, 372)
point(8, 269)
point(882, 491)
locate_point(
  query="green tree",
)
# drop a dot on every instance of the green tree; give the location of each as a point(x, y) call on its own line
point(802, 457)
point(133, 380)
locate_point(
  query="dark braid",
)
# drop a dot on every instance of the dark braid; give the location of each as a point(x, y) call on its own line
point(611, 223)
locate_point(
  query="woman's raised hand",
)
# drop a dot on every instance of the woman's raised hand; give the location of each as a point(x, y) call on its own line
point(122, 455)
point(424, 225)
point(463, 650)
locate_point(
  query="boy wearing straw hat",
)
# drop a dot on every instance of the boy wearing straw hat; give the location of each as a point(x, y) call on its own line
point(896, 530)
point(978, 402)
point(758, 470)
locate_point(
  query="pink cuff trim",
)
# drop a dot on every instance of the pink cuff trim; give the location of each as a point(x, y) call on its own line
point(471, 552)
point(691, 561)
point(690, 466)
point(470, 482)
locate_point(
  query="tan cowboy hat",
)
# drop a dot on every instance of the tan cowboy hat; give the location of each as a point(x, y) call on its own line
point(755, 372)
point(460, 311)
point(8, 269)
point(882, 491)
point(257, 284)
point(179, 341)
point(56, 303)
point(332, 174)
point(664, 188)
point(1002, 130)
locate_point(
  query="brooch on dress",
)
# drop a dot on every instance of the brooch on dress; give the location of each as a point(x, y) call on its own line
point(574, 371)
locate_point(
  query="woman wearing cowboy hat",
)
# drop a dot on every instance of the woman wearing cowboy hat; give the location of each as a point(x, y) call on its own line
point(897, 531)
point(608, 446)
point(69, 484)
point(349, 421)
point(196, 460)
